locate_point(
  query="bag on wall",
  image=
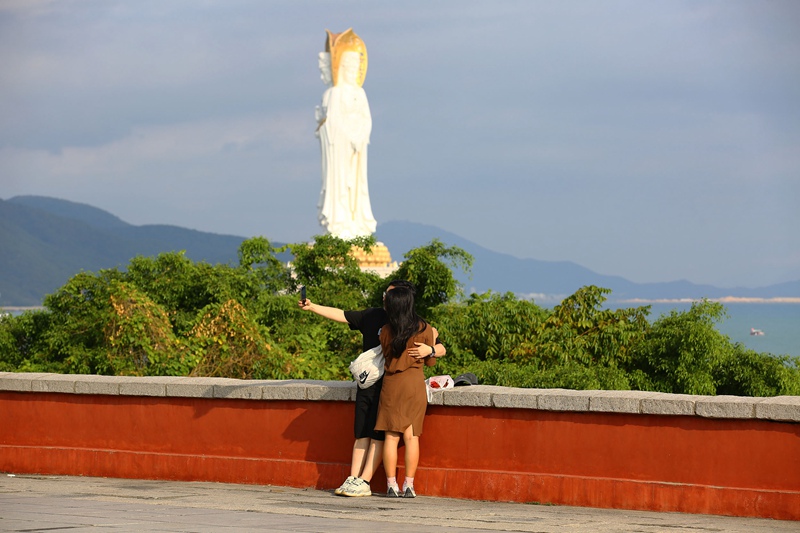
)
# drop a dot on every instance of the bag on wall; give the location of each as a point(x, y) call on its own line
point(368, 367)
point(438, 383)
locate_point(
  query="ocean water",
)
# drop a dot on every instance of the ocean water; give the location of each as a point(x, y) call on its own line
point(779, 322)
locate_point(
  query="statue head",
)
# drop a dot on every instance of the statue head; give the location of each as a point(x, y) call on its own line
point(338, 45)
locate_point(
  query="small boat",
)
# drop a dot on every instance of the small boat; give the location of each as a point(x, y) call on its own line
point(756, 332)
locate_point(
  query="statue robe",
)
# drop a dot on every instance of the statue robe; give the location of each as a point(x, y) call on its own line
point(344, 206)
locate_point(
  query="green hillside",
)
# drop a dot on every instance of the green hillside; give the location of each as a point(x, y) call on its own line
point(45, 241)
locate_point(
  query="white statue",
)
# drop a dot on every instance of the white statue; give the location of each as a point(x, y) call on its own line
point(344, 125)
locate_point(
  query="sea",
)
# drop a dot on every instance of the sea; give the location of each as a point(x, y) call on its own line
point(780, 323)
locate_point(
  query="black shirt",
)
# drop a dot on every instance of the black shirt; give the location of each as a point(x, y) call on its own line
point(368, 322)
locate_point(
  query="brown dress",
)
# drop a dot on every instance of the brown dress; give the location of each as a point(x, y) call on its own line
point(403, 398)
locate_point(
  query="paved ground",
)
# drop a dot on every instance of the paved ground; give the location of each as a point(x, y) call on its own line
point(76, 504)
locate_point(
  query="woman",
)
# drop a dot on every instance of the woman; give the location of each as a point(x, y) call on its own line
point(408, 344)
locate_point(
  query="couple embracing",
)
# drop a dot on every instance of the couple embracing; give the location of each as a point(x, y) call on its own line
point(395, 405)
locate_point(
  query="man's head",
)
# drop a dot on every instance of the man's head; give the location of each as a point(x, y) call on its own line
point(399, 303)
point(395, 283)
point(398, 283)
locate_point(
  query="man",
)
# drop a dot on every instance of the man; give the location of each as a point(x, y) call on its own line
point(368, 447)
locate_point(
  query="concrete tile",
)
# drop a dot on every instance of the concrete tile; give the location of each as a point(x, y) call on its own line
point(563, 400)
point(726, 407)
point(240, 389)
point(61, 383)
point(19, 381)
point(668, 404)
point(91, 384)
point(516, 398)
point(192, 387)
point(292, 389)
point(336, 391)
point(146, 386)
point(472, 396)
point(615, 402)
point(781, 408)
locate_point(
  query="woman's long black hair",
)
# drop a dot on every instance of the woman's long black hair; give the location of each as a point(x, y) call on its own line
point(403, 319)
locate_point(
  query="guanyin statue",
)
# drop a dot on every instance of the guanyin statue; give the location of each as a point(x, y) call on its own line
point(344, 125)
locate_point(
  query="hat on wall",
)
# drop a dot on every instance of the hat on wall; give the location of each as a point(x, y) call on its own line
point(466, 379)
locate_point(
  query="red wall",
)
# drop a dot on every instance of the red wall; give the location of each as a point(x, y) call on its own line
point(663, 463)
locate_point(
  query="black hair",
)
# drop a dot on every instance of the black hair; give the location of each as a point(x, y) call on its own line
point(397, 283)
point(402, 318)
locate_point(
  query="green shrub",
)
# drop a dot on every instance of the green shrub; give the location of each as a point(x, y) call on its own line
point(167, 315)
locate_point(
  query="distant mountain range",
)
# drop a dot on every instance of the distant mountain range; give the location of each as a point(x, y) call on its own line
point(551, 281)
point(45, 241)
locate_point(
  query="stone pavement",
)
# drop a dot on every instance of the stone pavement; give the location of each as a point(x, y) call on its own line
point(34, 503)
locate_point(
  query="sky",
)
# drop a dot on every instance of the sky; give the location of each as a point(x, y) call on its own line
point(657, 141)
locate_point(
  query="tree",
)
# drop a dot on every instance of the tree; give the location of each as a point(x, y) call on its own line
point(491, 325)
point(430, 268)
point(226, 342)
point(579, 329)
point(167, 315)
point(328, 268)
point(258, 256)
point(139, 339)
point(681, 350)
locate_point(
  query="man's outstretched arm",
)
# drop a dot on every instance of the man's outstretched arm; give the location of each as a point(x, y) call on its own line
point(331, 313)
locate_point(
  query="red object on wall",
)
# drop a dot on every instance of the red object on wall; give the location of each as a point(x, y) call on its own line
point(649, 462)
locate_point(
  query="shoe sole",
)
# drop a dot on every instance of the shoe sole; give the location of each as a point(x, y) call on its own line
point(356, 495)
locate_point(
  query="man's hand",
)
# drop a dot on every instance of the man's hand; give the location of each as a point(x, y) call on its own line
point(332, 313)
point(421, 351)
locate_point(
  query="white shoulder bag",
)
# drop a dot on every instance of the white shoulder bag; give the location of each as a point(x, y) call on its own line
point(368, 367)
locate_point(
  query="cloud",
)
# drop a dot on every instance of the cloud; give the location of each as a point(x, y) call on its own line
point(146, 146)
point(645, 140)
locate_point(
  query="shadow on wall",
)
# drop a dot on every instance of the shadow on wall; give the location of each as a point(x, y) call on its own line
point(328, 446)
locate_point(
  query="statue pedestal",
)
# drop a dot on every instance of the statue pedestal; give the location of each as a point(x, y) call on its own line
point(378, 261)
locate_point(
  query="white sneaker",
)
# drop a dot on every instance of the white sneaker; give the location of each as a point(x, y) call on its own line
point(359, 487)
point(344, 485)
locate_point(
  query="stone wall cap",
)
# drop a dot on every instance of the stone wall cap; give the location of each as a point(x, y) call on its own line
point(564, 400)
point(726, 406)
point(779, 408)
point(471, 396)
point(618, 401)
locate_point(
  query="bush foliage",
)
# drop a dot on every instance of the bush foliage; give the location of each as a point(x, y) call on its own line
point(169, 316)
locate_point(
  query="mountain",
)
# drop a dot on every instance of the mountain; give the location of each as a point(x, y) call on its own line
point(45, 241)
point(550, 281)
